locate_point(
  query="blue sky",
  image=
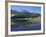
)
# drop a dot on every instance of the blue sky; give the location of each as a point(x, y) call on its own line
point(35, 9)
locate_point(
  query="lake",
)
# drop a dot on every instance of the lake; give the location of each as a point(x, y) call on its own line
point(36, 26)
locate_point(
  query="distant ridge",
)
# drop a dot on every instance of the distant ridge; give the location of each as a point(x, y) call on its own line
point(23, 14)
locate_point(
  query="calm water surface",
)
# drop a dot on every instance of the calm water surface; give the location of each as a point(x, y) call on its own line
point(36, 26)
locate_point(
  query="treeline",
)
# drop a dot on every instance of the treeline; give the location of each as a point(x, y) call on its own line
point(24, 14)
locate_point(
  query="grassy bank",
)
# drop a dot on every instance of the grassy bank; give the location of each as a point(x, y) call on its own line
point(25, 21)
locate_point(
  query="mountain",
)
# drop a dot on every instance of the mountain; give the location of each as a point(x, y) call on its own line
point(23, 14)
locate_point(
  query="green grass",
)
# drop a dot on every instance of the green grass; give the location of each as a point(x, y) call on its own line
point(25, 21)
point(28, 19)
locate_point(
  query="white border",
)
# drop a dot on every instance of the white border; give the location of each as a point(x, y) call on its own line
point(24, 32)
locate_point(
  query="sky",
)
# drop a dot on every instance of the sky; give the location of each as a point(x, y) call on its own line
point(34, 9)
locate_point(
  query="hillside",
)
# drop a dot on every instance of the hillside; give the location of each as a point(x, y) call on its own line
point(23, 14)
